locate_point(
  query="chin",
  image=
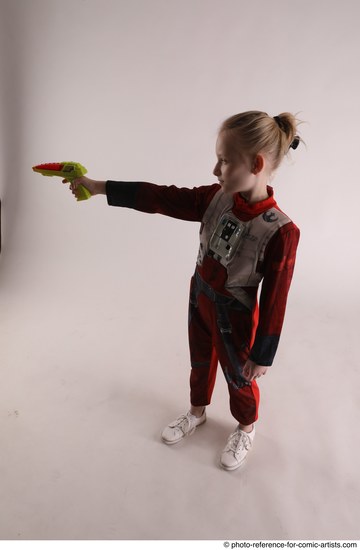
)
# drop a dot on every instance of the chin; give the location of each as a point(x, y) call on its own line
point(230, 190)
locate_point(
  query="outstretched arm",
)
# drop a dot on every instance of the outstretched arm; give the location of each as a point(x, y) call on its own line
point(177, 202)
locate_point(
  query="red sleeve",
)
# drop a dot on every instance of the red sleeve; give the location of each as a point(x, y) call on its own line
point(278, 270)
point(176, 202)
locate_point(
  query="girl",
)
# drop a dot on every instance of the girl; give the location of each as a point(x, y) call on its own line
point(244, 239)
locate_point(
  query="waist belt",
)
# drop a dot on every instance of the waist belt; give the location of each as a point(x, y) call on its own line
point(216, 297)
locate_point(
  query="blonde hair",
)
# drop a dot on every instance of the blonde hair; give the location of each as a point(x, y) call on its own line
point(254, 132)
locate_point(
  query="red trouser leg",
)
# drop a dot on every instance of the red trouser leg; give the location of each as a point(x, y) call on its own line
point(224, 335)
point(202, 381)
point(204, 359)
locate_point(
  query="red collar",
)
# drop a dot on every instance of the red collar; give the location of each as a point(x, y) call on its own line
point(241, 205)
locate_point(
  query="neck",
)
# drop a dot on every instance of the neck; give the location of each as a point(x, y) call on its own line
point(255, 195)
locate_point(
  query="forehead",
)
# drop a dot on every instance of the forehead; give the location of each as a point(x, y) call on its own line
point(224, 148)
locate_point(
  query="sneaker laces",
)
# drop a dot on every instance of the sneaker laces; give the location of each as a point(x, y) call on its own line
point(183, 422)
point(238, 440)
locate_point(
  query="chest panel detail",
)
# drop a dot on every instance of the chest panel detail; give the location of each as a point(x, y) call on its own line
point(236, 244)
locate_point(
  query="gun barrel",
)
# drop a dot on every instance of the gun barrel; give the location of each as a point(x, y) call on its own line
point(69, 170)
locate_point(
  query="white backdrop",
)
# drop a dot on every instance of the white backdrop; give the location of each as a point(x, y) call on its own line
point(94, 298)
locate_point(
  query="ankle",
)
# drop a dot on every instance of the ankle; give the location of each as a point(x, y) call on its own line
point(248, 429)
point(197, 411)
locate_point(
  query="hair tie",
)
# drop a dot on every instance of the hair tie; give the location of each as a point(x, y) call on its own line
point(295, 142)
point(279, 122)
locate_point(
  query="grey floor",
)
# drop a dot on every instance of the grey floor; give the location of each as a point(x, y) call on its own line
point(87, 388)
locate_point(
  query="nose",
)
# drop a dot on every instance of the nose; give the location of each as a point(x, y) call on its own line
point(216, 170)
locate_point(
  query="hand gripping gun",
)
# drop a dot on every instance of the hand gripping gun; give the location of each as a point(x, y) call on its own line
point(68, 170)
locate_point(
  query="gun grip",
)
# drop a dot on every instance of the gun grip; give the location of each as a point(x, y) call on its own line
point(83, 193)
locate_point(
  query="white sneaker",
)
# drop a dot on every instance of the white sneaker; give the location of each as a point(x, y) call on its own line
point(237, 447)
point(182, 426)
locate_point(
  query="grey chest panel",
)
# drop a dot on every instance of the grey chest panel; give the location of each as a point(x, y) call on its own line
point(237, 245)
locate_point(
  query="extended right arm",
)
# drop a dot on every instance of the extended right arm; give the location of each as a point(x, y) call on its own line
point(177, 202)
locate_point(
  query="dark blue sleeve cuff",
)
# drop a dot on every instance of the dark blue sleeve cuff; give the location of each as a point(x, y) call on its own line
point(264, 350)
point(122, 193)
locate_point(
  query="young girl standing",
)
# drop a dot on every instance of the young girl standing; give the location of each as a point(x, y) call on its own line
point(244, 239)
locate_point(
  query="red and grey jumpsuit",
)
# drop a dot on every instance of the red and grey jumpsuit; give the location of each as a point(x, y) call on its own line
point(241, 245)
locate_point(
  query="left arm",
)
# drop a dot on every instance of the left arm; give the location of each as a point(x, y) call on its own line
point(278, 268)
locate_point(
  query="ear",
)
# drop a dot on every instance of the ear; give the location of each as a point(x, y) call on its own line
point(258, 164)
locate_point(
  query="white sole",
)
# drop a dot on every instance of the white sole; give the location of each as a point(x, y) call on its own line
point(232, 468)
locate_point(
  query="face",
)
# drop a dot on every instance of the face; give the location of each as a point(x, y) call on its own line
point(232, 169)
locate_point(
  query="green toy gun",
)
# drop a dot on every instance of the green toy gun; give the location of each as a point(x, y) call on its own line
point(67, 170)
